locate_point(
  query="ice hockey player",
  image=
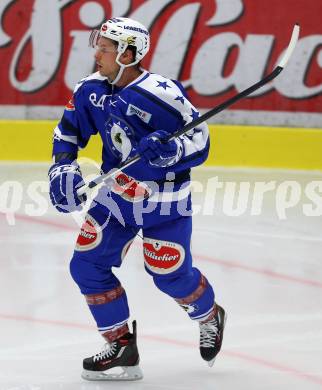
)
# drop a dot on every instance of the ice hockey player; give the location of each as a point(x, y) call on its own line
point(134, 111)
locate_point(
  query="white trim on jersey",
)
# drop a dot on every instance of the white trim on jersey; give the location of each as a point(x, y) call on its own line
point(68, 138)
point(196, 139)
point(167, 95)
point(142, 75)
point(93, 76)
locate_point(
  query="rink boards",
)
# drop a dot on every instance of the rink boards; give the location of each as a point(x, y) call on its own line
point(235, 146)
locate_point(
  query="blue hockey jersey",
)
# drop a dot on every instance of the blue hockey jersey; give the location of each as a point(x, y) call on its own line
point(122, 116)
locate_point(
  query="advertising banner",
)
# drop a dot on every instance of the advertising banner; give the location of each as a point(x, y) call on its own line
point(216, 48)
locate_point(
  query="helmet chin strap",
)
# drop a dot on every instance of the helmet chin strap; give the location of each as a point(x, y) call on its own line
point(118, 76)
point(122, 67)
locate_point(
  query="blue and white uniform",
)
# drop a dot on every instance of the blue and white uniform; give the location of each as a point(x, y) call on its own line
point(154, 199)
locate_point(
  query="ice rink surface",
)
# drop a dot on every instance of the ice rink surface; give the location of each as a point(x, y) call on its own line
point(267, 274)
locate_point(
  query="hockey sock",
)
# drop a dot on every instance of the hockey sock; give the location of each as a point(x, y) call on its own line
point(110, 311)
point(200, 303)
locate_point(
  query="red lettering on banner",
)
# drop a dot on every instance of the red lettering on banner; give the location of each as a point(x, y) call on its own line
point(215, 47)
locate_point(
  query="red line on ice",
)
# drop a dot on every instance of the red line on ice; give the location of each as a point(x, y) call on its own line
point(233, 354)
point(224, 263)
point(266, 272)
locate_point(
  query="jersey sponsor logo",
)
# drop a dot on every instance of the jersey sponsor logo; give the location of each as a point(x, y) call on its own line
point(143, 115)
point(70, 105)
point(162, 257)
point(130, 189)
point(90, 235)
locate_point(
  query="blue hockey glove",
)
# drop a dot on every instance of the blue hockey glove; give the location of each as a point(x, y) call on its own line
point(65, 179)
point(158, 154)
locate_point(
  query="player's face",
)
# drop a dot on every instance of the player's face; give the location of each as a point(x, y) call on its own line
point(105, 56)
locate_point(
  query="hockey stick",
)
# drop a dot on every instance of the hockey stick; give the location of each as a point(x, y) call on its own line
point(214, 111)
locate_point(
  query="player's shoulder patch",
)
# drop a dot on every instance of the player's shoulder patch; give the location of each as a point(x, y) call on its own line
point(70, 106)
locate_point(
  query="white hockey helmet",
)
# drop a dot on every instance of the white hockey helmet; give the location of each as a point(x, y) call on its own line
point(126, 32)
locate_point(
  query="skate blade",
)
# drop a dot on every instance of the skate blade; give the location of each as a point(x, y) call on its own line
point(211, 362)
point(130, 373)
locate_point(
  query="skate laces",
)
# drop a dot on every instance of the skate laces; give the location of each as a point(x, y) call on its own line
point(108, 351)
point(209, 331)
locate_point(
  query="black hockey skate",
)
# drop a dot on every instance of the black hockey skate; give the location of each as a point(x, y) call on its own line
point(211, 335)
point(118, 361)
